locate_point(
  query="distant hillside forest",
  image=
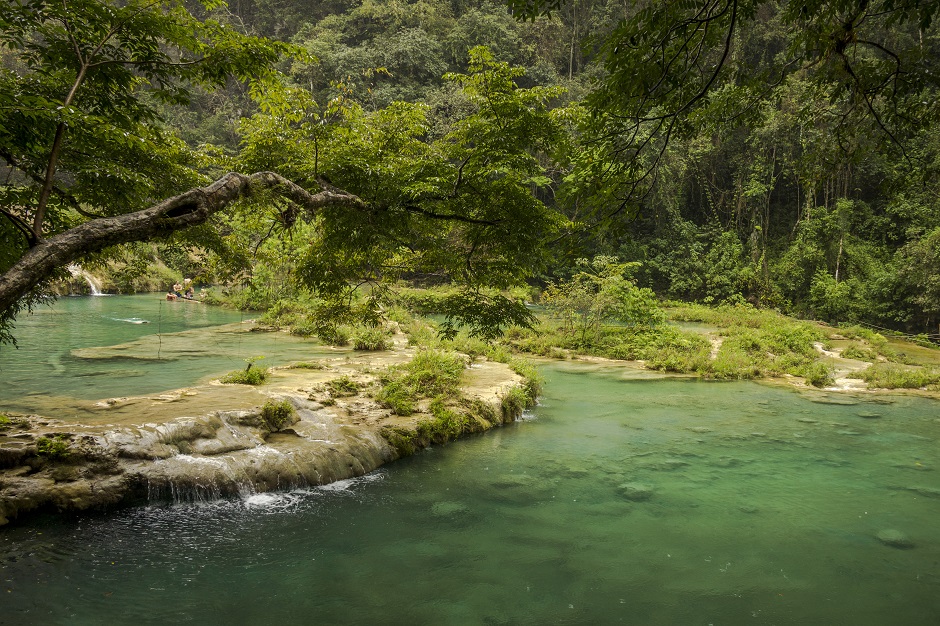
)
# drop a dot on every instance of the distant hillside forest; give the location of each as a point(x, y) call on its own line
point(782, 154)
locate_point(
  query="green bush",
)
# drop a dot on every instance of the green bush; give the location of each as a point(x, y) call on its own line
point(304, 327)
point(877, 340)
point(276, 415)
point(7, 422)
point(818, 374)
point(307, 365)
point(373, 339)
point(890, 376)
point(857, 351)
point(447, 424)
point(532, 379)
point(732, 362)
point(335, 336)
point(250, 376)
point(343, 386)
point(282, 313)
point(514, 402)
point(430, 374)
point(53, 447)
point(398, 397)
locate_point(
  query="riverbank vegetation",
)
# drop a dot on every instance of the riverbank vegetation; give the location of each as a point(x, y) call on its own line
point(451, 159)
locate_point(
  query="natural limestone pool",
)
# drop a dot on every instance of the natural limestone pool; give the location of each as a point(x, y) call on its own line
point(623, 498)
point(89, 348)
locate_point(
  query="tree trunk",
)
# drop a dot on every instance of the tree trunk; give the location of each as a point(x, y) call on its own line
point(185, 210)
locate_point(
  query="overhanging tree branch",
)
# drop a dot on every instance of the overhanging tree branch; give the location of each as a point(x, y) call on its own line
point(183, 211)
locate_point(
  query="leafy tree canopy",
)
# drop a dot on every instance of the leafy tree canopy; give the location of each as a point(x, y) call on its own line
point(678, 68)
point(458, 208)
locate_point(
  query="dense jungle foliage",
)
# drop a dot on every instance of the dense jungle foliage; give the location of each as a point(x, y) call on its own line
point(776, 153)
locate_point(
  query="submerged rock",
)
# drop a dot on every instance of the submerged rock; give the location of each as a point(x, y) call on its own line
point(894, 538)
point(449, 509)
point(636, 492)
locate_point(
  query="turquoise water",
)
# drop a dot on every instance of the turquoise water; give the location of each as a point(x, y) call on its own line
point(155, 346)
point(763, 508)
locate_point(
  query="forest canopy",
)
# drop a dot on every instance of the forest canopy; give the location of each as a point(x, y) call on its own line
point(776, 153)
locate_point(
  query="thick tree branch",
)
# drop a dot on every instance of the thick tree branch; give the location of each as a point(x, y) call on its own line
point(185, 210)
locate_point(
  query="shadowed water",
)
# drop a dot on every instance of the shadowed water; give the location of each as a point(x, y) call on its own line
point(617, 501)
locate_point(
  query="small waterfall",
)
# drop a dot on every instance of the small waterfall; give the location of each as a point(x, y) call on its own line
point(93, 284)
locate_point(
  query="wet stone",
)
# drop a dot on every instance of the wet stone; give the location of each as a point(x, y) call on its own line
point(894, 538)
point(869, 415)
point(449, 509)
point(666, 465)
point(576, 472)
point(727, 461)
point(636, 492)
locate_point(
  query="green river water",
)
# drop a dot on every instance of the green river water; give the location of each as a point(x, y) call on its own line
point(62, 349)
point(764, 506)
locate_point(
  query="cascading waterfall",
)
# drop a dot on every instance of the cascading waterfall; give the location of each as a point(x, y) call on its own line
point(93, 284)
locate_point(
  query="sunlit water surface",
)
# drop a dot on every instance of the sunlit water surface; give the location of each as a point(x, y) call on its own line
point(764, 506)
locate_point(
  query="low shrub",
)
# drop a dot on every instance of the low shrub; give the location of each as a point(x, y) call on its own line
point(890, 376)
point(398, 397)
point(875, 339)
point(53, 447)
point(447, 424)
point(277, 415)
point(859, 352)
point(430, 374)
point(514, 402)
point(303, 327)
point(250, 376)
point(372, 339)
point(532, 379)
point(818, 374)
point(307, 365)
point(343, 386)
point(335, 336)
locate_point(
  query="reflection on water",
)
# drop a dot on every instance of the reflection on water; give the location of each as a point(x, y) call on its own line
point(620, 500)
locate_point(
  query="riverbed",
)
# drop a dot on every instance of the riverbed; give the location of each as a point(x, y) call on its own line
point(623, 498)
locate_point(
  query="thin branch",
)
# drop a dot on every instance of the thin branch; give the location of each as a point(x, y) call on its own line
point(22, 226)
point(183, 211)
point(450, 217)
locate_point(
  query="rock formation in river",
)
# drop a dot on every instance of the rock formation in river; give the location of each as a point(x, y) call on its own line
point(53, 465)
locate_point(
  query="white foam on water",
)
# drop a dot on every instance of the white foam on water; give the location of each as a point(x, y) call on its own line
point(264, 450)
point(347, 484)
point(196, 460)
point(265, 500)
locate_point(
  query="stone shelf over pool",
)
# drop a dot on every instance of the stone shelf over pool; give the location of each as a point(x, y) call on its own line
point(211, 441)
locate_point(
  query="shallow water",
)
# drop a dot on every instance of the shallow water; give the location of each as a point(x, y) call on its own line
point(764, 508)
point(99, 347)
